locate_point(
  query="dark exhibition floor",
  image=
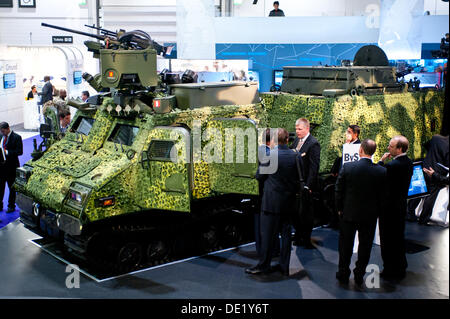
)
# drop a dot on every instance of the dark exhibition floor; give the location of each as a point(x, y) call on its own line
point(27, 271)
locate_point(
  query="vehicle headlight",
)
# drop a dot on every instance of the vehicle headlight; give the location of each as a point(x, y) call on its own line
point(77, 195)
point(24, 173)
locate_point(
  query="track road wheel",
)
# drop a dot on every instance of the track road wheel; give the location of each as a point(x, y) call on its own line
point(158, 251)
point(129, 256)
point(232, 236)
point(209, 238)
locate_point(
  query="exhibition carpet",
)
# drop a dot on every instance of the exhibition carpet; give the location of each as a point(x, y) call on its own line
point(27, 150)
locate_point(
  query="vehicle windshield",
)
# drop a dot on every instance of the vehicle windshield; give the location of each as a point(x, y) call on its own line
point(83, 125)
point(124, 134)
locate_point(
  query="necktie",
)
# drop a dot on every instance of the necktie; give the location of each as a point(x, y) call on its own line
point(4, 141)
point(299, 145)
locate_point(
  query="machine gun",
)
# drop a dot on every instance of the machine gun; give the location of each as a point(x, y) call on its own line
point(133, 40)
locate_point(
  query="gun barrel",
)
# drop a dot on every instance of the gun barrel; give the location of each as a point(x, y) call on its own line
point(100, 37)
point(106, 32)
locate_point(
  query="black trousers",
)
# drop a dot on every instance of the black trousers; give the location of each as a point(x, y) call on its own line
point(392, 238)
point(271, 225)
point(305, 218)
point(257, 230)
point(366, 232)
point(8, 178)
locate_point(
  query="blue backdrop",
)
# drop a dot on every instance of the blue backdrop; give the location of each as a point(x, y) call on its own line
point(268, 57)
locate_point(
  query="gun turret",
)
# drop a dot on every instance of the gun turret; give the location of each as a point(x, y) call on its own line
point(133, 40)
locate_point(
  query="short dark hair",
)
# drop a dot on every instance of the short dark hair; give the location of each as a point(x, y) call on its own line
point(369, 146)
point(85, 93)
point(33, 86)
point(267, 136)
point(355, 128)
point(276, 3)
point(283, 136)
point(46, 78)
point(63, 113)
point(4, 125)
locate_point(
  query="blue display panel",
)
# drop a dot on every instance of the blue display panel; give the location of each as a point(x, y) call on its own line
point(77, 77)
point(278, 77)
point(9, 80)
point(418, 185)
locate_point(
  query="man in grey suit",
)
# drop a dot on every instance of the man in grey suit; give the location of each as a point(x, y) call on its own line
point(359, 196)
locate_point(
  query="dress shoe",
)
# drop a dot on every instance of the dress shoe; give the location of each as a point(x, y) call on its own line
point(342, 279)
point(279, 269)
point(359, 280)
point(254, 271)
point(393, 276)
point(10, 210)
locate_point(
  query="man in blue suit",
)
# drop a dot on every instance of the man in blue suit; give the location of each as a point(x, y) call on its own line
point(278, 205)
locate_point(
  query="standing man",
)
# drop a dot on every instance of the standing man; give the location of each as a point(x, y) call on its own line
point(276, 12)
point(359, 194)
point(47, 91)
point(263, 153)
point(392, 219)
point(351, 137)
point(278, 204)
point(309, 149)
point(11, 149)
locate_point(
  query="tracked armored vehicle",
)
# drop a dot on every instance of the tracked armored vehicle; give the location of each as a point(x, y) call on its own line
point(125, 186)
point(144, 174)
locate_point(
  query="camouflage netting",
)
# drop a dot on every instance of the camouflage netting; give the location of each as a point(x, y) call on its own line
point(414, 115)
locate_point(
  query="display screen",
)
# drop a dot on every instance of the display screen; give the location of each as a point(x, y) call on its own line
point(83, 125)
point(124, 134)
point(278, 77)
point(9, 80)
point(77, 77)
point(418, 185)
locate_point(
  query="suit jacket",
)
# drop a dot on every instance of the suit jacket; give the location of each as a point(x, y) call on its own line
point(310, 153)
point(15, 149)
point(399, 172)
point(360, 191)
point(437, 152)
point(47, 92)
point(280, 187)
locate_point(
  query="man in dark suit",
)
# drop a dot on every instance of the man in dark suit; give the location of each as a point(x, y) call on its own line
point(263, 161)
point(278, 205)
point(47, 91)
point(309, 149)
point(351, 137)
point(392, 219)
point(359, 196)
point(11, 149)
point(437, 152)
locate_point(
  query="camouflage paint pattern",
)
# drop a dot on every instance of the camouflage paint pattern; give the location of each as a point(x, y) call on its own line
point(108, 169)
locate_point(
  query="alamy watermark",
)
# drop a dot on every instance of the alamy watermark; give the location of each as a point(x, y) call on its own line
point(73, 279)
point(230, 145)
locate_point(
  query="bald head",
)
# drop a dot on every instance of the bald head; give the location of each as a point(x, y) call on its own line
point(398, 145)
point(368, 148)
